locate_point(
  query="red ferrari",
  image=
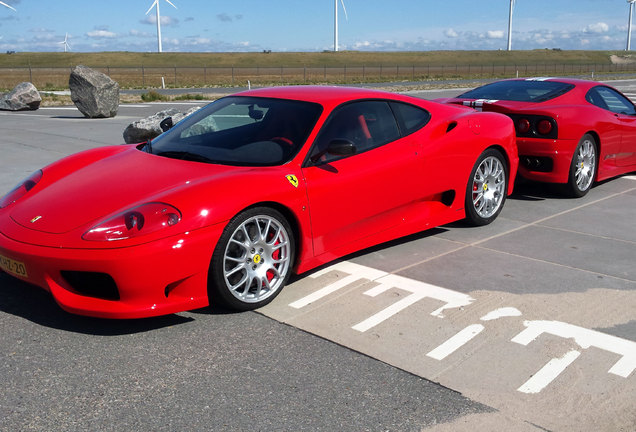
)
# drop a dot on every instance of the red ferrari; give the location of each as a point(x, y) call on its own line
point(228, 202)
point(569, 131)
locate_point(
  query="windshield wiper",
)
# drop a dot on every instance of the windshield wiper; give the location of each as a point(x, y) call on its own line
point(185, 155)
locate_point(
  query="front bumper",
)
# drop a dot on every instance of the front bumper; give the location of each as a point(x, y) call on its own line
point(156, 278)
point(554, 157)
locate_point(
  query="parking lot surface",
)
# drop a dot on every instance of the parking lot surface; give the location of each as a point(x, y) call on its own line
point(525, 324)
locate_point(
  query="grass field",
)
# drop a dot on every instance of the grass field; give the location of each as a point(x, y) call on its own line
point(145, 70)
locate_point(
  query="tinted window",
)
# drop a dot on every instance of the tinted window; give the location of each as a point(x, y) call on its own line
point(410, 118)
point(367, 124)
point(522, 91)
point(244, 131)
point(609, 99)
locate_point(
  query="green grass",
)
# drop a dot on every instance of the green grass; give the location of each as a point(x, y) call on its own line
point(301, 59)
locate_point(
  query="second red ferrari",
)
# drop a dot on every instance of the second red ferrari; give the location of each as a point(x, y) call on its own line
point(569, 131)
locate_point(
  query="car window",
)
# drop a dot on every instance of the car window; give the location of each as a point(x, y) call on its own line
point(243, 131)
point(366, 124)
point(530, 90)
point(410, 117)
point(610, 99)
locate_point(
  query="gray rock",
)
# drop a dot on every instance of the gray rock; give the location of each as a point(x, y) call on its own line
point(24, 96)
point(148, 128)
point(93, 93)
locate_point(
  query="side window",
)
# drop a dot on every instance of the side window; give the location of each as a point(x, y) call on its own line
point(367, 124)
point(410, 117)
point(613, 101)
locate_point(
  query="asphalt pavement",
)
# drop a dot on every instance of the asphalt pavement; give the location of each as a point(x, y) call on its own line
point(527, 324)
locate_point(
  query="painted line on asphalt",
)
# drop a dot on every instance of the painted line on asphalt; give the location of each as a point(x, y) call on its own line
point(456, 342)
point(548, 373)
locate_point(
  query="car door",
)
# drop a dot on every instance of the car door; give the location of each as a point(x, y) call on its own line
point(358, 195)
point(625, 115)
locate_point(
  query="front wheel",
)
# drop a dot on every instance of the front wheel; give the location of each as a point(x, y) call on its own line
point(582, 167)
point(252, 260)
point(487, 188)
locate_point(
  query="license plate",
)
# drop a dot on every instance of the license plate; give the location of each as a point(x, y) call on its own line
point(14, 267)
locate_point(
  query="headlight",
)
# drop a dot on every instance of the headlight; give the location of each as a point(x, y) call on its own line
point(21, 189)
point(138, 221)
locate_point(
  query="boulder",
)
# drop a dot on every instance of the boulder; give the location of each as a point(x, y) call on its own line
point(93, 93)
point(24, 96)
point(149, 127)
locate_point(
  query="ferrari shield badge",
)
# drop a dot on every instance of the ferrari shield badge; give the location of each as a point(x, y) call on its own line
point(292, 179)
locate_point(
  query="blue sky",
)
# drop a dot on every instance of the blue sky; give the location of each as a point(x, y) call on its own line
point(307, 25)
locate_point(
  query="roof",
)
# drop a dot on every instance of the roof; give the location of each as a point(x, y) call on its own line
point(325, 95)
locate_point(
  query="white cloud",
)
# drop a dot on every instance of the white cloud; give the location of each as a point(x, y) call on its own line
point(451, 33)
point(600, 27)
point(101, 34)
point(495, 34)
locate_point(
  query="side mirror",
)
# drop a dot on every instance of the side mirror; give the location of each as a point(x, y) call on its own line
point(341, 147)
point(166, 124)
point(337, 147)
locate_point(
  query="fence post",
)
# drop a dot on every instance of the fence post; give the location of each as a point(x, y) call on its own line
point(232, 74)
point(143, 76)
point(175, 76)
point(205, 75)
point(30, 73)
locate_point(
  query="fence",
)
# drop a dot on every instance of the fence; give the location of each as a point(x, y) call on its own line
point(180, 76)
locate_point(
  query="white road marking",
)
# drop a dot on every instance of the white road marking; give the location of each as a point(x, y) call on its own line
point(584, 338)
point(456, 342)
point(548, 373)
point(631, 177)
point(419, 290)
point(356, 271)
point(501, 313)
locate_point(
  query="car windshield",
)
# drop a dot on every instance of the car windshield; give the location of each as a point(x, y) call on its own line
point(242, 131)
point(522, 91)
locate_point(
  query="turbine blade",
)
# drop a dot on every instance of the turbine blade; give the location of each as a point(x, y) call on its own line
point(171, 4)
point(343, 8)
point(151, 6)
point(10, 7)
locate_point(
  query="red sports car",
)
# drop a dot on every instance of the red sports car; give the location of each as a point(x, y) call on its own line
point(226, 204)
point(569, 131)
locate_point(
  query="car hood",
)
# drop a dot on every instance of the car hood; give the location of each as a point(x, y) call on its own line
point(105, 187)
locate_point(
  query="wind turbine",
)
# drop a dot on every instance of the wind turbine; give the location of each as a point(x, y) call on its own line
point(512, 6)
point(10, 7)
point(156, 3)
point(629, 25)
point(335, 22)
point(67, 46)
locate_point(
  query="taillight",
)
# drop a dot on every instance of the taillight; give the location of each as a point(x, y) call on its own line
point(21, 189)
point(138, 221)
point(544, 127)
point(523, 125)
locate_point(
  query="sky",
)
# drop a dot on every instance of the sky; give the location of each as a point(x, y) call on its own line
point(308, 25)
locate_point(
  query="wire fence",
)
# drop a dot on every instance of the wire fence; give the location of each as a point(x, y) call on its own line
point(183, 76)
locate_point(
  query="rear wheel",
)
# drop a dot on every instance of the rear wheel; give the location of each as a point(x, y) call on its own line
point(487, 188)
point(582, 167)
point(252, 260)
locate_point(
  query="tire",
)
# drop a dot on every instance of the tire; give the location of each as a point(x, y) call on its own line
point(582, 168)
point(487, 188)
point(252, 260)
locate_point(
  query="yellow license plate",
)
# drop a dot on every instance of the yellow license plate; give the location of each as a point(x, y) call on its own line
point(14, 267)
